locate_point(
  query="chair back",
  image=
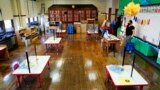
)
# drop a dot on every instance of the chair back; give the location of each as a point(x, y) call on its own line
point(15, 65)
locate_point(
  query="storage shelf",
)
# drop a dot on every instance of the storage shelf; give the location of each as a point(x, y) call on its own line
point(151, 60)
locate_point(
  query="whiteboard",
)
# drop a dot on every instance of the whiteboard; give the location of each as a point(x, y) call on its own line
point(150, 31)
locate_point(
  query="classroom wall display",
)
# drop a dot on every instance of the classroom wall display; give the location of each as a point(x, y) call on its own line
point(147, 23)
point(123, 3)
point(140, 21)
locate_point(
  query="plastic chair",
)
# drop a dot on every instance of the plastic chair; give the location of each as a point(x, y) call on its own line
point(129, 46)
point(15, 65)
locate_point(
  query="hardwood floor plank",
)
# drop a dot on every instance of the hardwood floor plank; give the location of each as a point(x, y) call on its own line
point(79, 64)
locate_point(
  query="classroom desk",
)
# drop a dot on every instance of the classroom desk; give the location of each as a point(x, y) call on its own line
point(61, 33)
point(51, 41)
point(4, 51)
point(121, 76)
point(36, 68)
point(107, 42)
point(91, 33)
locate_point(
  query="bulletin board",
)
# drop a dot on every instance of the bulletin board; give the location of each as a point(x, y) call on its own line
point(147, 24)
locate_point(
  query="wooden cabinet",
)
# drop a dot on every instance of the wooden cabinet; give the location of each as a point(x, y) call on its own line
point(68, 14)
point(76, 16)
point(64, 16)
point(82, 15)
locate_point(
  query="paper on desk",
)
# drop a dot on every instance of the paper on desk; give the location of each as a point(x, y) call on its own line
point(125, 80)
point(32, 64)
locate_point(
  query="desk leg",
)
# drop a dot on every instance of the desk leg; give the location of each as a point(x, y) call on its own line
point(48, 66)
point(107, 49)
point(39, 80)
point(108, 76)
point(57, 47)
point(18, 80)
point(141, 87)
point(46, 46)
point(116, 87)
point(114, 49)
point(124, 52)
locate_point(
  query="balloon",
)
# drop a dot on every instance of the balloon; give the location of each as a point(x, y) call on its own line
point(131, 9)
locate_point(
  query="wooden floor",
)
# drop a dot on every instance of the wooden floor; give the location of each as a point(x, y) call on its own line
point(78, 65)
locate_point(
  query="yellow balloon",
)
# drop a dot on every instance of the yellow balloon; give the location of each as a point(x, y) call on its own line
point(131, 4)
point(131, 9)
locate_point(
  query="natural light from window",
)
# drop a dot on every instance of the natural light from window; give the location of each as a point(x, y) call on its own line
point(31, 19)
point(26, 20)
point(35, 18)
point(8, 24)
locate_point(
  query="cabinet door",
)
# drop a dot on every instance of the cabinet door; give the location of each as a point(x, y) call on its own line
point(82, 15)
point(64, 16)
point(70, 16)
point(76, 15)
point(94, 14)
point(57, 15)
point(51, 15)
point(88, 14)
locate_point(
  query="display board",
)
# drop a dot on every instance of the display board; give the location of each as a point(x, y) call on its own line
point(148, 24)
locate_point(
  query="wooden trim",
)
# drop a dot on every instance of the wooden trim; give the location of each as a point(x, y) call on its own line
point(109, 14)
point(19, 15)
point(116, 12)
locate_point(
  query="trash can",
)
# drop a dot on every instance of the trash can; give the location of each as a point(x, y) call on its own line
point(70, 29)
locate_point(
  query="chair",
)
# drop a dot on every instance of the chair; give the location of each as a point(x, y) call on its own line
point(129, 47)
point(15, 65)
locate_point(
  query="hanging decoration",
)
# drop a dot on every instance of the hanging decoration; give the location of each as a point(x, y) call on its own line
point(150, 9)
point(131, 9)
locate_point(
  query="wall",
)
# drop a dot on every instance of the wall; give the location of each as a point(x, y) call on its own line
point(100, 4)
point(123, 3)
point(23, 9)
point(114, 4)
point(151, 31)
point(5, 6)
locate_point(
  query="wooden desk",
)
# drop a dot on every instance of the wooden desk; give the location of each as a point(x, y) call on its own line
point(106, 42)
point(61, 33)
point(4, 51)
point(36, 66)
point(121, 76)
point(90, 34)
point(51, 41)
point(57, 31)
point(53, 27)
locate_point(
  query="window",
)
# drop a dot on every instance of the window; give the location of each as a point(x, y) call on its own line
point(31, 19)
point(8, 24)
point(35, 19)
point(26, 20)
